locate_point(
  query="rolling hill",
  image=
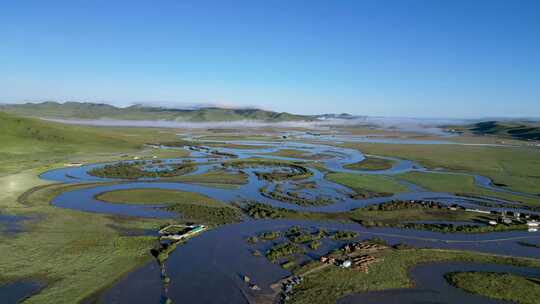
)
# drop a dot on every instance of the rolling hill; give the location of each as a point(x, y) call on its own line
point(84, 110)
point(30, 142)
point(517, 130)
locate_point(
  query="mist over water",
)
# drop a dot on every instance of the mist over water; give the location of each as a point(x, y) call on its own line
point(418, 125)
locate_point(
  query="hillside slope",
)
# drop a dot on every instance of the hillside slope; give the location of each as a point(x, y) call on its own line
point(79, 110)
point(518, 130)
point(30, 142)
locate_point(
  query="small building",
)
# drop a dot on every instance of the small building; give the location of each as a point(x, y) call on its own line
point(478, 211)
point(506, 220)
point(346, 264)
point(492, 223)
point(533, 224)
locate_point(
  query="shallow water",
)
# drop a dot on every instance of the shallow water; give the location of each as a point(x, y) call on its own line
point(15, 292)
point(220, 257)
point(432, 287)
point(11, 224)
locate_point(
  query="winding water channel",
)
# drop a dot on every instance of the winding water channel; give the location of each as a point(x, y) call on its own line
point(216, 259)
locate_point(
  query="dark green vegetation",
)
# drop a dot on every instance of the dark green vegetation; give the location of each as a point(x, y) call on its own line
point(83, 110)
point(372, 163)
point(502, 286)
point(516, 167)
point(328, 284)
point(269, 236)
point(192, 207)
point(142, 169)
point(344, 235)
point(447, 228)
point(283, 250)
point(367, 186)
point(293, 197)
point(395, 214)
point(516, 130)
point(315, 245)
point(302, 236)
point(284, 170)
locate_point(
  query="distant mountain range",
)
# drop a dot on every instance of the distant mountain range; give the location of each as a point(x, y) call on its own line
point(85, 110)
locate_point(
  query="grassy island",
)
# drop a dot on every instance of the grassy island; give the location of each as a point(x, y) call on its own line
point(372, 164)
point(501, 286)
point(367, 186)
point(142, 169)
point(191, 206)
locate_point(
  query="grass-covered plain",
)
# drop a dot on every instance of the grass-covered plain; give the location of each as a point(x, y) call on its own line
point(75, 253)
point(372, 163)
point(460, 184)
point(293, 153)
point(193, 207)
point(79, 253)
point(331, 283)
point(216, 178)
point(501, 286)
point(516, 167)
point(367, 185)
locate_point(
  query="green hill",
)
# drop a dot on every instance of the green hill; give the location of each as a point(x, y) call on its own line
point(83, 110)
point(517, 130)
point(30, 142)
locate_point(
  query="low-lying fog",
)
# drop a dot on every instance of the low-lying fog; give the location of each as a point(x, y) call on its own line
point(421, 125)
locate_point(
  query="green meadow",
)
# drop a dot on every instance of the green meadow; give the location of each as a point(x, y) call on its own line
point(516, 167)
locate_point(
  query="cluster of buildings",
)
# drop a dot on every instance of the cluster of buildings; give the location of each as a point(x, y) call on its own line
point(359, 263)
point(510, 217)
point(353, 260)
point(287, 288)
point(507, 217)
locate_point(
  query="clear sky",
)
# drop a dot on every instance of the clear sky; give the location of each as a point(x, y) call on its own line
point(427, 58)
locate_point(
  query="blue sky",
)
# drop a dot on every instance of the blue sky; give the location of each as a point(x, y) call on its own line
point(394, 58)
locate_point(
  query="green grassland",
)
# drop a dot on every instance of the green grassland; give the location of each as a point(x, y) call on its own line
point(516, 167)
point(193, 207)
point(215, 178)
point(502, 286)
point(332, 283)
point(371, 163)
point(75, 253)
point(366, 184)
point(460, 184)
point(78, 253)
point(156, 195)
point(30, 143)
point(292, 153)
